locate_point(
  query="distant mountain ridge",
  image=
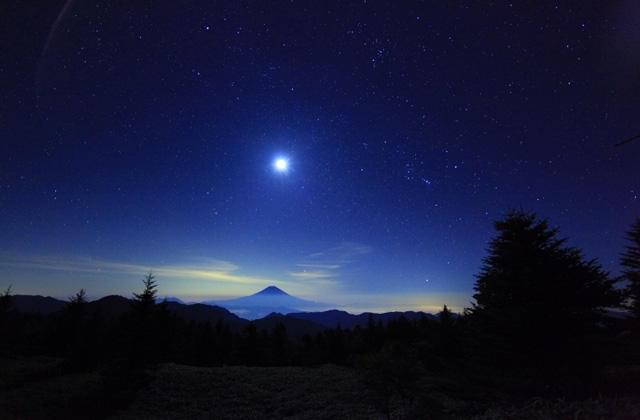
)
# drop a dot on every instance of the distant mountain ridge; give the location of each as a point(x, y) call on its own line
point(295, 327)
point(114, 306)
point(335, 318)
point(297, 323)
point(43, 305)
point(170, 299)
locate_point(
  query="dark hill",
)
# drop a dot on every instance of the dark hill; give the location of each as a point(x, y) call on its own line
point(334, 318)
point(115, 306)
point(111, 306)
point(296, 328)
point(199, 312)
point(37, 304)
point(170, 299)
point(297, 324)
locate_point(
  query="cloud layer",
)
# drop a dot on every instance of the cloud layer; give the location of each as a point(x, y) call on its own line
point(325, 267)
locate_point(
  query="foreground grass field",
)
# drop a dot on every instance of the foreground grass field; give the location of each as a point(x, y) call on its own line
point(252, 392)
point(42, 388)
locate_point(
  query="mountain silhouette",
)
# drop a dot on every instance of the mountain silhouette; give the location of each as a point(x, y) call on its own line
point(269, 300)
point(111, 306)
point(271, 291)
point(334, 318)
point(266, 308)
point(295, 327)
point(199, 312)
point(37, 304)
point(170, 299)
point(114, 306)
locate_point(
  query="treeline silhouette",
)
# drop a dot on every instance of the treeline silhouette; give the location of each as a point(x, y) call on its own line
point(541, 320)
point(149, 333)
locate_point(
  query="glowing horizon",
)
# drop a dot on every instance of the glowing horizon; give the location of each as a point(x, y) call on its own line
point(205, 280)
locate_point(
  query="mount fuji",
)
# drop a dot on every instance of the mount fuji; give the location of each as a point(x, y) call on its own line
point(267, 301)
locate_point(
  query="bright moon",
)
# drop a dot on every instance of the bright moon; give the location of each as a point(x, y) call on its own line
point(281, 164)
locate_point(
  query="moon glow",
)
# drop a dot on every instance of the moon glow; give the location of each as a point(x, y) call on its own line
point(281, 164)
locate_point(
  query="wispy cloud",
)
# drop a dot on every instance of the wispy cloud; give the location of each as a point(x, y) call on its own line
point(316, 272)
point(342, 253)
point(313, 275)
point(337, 256)
point(352, 249)
point(198, 269)
point(320, 266)
point(325, 267)
point(315, 278)
point(319, 274)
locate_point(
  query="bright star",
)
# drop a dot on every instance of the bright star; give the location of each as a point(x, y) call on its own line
point(281, 164)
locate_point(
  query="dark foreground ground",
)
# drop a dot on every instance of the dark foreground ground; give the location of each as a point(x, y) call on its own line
point(40, 388)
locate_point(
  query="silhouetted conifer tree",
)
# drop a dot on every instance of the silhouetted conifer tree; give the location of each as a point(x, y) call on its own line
point(445, 315)
point(6, 302)
point(280, 341)
point(373, 334)
point(336, 345)
point(75, 332)
point(447, 335)
point(77, 304)
point(6, 305)
point(631, 264)
point(538, 300)
point(145, 301)
point(249, 350)
point(150, 324)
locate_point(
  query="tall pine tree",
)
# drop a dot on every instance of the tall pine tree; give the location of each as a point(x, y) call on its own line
point(6, 302)
point(149, 323)
point(538, 301)
point(631, 264)
point(145, 301)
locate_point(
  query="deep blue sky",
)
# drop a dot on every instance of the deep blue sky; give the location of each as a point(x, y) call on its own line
point(136, 137)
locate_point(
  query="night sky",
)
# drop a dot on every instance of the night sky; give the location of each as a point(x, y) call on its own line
point(144, 135)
